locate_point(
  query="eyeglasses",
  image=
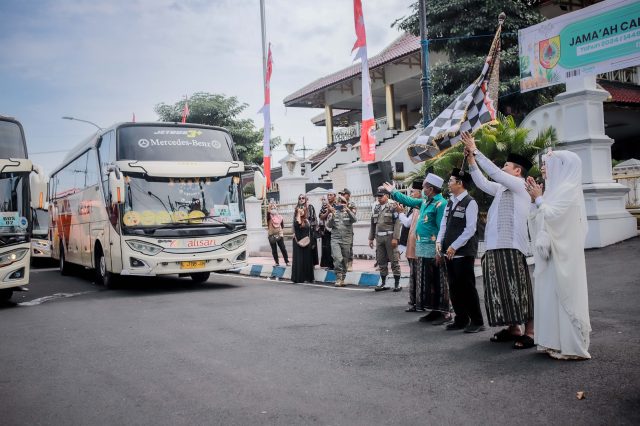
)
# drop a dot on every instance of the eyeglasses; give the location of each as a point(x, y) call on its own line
point(301, 198)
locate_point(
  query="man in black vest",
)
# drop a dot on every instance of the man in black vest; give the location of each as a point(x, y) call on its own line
point(458, 242)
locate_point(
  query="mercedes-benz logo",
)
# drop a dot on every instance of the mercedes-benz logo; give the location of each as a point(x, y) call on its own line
point(143, 143)
point(216, 144)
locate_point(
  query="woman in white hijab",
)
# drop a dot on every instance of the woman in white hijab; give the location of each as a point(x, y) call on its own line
point(558, 228)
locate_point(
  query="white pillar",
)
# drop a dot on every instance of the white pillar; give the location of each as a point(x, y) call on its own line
point(257, 234)
point(582, 119)
point(358, 180)
point(290, 187)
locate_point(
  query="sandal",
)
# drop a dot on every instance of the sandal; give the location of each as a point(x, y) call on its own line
point(523, 342)
point(504, 336)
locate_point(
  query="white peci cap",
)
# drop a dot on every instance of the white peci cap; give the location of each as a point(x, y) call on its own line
point(434, 180)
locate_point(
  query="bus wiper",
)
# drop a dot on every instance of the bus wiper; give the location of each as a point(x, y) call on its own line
point(186, 220)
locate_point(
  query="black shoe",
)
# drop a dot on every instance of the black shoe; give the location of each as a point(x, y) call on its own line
point(455, 326)
point(472, 328)
point(431, 316)
point(381, 288)
point(411, 309)
point(443, 320)
point(397, 289)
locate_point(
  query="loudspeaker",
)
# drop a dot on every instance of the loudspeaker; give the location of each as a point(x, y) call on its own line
point(379, 173)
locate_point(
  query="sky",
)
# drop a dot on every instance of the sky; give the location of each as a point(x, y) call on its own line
point(104, 60)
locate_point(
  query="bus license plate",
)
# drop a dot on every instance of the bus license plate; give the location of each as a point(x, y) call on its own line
point(194, 264)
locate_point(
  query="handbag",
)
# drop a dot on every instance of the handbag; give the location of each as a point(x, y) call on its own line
point(303, 242)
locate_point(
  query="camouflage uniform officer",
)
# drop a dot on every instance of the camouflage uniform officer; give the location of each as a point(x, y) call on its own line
point(385, 229)
point(341, 219)
point(352, 206)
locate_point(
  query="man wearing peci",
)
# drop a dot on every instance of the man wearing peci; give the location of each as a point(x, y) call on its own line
point(508, 293)
point(458, 242)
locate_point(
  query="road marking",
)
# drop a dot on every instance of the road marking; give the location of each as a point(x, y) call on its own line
point(33, 271)
point(55, 296)
point(289, 282)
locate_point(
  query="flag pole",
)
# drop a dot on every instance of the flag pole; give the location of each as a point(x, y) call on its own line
point(264, 44)
point(424, 81)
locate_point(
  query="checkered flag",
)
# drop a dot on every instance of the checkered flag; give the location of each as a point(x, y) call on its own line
point(473, 108)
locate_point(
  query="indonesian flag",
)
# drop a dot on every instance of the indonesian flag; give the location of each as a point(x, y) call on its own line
point(367, 138)
point(266, 112)
point(185, 112)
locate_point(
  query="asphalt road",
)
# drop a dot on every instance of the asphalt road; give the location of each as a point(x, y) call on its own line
point(239, 351)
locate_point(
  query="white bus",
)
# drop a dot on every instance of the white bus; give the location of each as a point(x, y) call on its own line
point(17, 188)
point(150, 199)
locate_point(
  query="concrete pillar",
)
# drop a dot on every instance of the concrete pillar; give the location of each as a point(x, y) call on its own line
point(404, 118)
point(328, 121)
point(391, 110)
point(257, 234)
point(582, 121)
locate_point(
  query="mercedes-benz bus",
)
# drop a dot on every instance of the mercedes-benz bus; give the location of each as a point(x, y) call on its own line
point(150, 199)
point(20, 190)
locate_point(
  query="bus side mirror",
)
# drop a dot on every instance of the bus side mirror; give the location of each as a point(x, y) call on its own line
point(38, 188)
point(116, 187)
point(259, 184)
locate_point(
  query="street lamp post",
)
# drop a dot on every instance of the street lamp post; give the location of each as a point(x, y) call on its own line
point(84, 121)
point(424, 81)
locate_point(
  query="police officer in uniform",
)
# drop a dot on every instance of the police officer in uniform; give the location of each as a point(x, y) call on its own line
point(341, 219)
point(385, 229)
point(352, 206)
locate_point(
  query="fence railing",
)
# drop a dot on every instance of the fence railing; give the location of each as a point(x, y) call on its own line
point(353, 131)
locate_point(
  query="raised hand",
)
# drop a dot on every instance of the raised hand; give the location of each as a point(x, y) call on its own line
point(468, 141)
point(389, 186)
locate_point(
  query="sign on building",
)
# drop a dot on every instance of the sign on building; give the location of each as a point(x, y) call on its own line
point(594, 40)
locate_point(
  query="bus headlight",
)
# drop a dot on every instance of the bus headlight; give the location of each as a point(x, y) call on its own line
point(13, 256)
point(235, 243)
point(144, 247)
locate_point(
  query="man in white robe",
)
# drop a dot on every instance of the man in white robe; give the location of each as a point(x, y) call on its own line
point(507, 283)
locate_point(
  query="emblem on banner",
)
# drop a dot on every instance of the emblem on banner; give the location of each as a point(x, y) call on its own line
point(549, 53)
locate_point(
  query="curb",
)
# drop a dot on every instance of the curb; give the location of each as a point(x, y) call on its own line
point(364, 279)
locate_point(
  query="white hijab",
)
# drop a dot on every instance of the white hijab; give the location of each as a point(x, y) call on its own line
point(558, 228)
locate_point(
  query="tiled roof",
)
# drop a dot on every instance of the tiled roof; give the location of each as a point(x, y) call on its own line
point(402, 46)
point(624, 93)
point(317, 157)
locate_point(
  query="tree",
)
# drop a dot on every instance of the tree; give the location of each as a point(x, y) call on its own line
point(496, 142)
point(218, 110)
point(464, 29)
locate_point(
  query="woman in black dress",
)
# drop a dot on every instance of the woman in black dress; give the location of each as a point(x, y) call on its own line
point(303, 201)
point(302, 266)
point(326, 260)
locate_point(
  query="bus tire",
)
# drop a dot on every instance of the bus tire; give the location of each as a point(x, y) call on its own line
point(65, 268)
point(5, 294)
point(200, 277)
point(103, 276)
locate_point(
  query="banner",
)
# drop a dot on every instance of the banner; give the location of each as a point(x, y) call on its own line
point(266, 112)
point(367, 137)
point(594, 40)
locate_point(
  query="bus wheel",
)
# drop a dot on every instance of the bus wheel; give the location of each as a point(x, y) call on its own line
point(5, 294)
point(65, 268)
point(200, 277)
point(103, 276)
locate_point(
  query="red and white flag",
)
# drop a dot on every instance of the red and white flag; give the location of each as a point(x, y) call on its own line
point(367, 138)
point(266, 112)
point(185, 112)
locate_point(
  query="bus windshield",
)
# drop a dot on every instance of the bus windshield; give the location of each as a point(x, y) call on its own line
point(40, 222)
point(155, 202)
point(11, 140)
point(158, 143)
point(13, 203)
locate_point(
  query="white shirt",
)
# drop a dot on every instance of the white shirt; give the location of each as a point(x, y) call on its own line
point(471, 218)
point(507, 217)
